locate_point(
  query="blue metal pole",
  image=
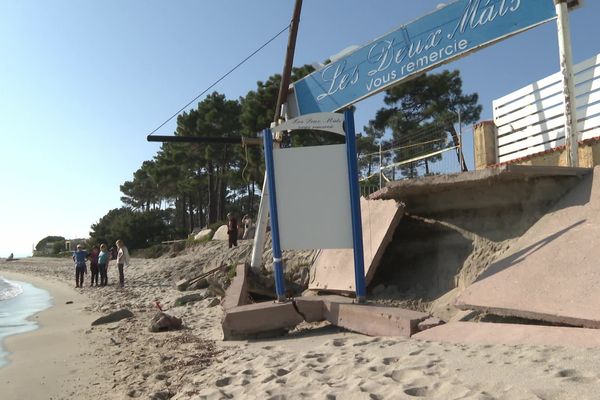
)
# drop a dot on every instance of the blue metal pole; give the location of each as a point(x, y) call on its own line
point(277, 265)
point(359, 264)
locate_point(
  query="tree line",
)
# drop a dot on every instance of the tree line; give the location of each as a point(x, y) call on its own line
point(191, 185)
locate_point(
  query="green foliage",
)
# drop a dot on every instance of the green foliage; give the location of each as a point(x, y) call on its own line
point(421, 114)
point(154, 251)
point(138, 229)
point(41, 245)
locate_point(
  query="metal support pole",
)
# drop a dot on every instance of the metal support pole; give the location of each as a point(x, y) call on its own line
point(359, 263)
point(380, 167)
point(261, 227)
point(262, 217)
point(566, 68)
point(277, 265)
point(460, 137)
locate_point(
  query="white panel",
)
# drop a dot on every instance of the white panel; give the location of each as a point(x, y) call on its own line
point(523, 112)
point(534, 150)
point(533, 119)
point(533, 141)
point(531, 131)
point(313, 198)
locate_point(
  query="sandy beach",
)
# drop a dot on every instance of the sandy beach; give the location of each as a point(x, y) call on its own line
point(67, 358)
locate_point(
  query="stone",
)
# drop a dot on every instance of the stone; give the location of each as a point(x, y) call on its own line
point(221, 233)
point(429, 323)
point(199, 284)
point(214, 302)
point(162, 322)
point(189, 298)
point(182, 285)
point(113, 317)
point(203, 234)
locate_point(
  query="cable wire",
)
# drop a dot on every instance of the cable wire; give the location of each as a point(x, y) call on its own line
point(222, 77)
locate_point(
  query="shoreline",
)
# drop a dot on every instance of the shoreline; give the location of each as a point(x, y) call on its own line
point(47, 363)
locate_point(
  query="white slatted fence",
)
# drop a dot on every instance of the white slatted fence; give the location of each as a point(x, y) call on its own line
point(531, 119)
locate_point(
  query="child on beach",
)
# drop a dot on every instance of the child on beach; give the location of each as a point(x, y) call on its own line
point(94, 265)
point(80, 256)
point(103, 265)
point(122, 260)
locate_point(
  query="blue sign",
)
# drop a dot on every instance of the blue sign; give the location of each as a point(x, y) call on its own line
point(447, 33)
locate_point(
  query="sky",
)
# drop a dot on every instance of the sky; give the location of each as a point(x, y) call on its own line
point(82, 83)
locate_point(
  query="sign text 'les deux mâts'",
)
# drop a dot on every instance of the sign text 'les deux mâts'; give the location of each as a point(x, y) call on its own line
point(434, 39)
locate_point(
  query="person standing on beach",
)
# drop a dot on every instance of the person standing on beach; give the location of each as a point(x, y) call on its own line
point(248, 228)
point(103, 264)
point(122, 260)
point(232, 230)
point(94, 265)
point(80, 256)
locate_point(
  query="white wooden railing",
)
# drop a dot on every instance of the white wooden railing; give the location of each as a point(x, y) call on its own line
point(530, 120)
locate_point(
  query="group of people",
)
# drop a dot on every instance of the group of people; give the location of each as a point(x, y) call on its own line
point(99, 258)
point(233, 230)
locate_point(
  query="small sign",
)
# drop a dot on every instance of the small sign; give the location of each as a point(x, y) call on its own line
point(452, 31)
point(330, 122)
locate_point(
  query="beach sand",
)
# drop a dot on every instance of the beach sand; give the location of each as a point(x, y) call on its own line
point(123, 360)
point(48, 363)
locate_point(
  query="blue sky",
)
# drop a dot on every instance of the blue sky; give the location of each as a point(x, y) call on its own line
point(83, 82)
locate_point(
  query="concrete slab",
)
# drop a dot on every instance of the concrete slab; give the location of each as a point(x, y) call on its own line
point(373, 320)
point(502, 186)
point(259, 319)
point(333, 270)
point(237, 292)
point(551, 272)
point(269, 318)
point(511, 334)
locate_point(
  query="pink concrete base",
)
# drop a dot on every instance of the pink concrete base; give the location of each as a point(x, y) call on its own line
point(262, 319)
point(258, 319)
point(237, 293)
point(373, 320)
point(511, 334)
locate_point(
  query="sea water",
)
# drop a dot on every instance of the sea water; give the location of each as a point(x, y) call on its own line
point(18, 302)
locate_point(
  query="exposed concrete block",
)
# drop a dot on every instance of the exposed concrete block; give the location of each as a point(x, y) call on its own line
point(551, 272)
point(484, 143)
point(374, 320)
point(312, 309)
point(259, 318)
point(237, 292)
point(333, 269)
point(511, 334)
point(429, 323)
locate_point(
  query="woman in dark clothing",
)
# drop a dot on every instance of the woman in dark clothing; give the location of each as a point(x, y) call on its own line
point(94, 265)
point(232, 230)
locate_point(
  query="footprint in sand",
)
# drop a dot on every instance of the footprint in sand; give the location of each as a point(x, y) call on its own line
point(339, 342)
point(574, 376)
point(421, 391)
point(390, 360)
point(405, 375)
point(223, 381)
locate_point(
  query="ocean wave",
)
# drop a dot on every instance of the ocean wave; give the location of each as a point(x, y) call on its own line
point(9, 289)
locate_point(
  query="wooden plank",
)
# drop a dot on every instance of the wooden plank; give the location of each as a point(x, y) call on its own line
point(533, 119)
point(511, 111)
point(531, 109)
point(531, 151)
point(532, 141)
point(531, 130)
point(542, 83)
